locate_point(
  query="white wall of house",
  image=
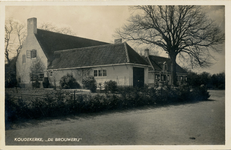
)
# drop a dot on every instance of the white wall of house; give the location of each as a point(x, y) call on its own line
point(151, 78)
point(122, 74)
point(23, 68)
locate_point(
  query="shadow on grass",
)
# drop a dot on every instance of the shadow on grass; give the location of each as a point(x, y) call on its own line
point(23, 123)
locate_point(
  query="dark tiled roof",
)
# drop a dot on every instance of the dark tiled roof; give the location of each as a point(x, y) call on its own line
point(96, 55)
point(157, 63)
point(134, 57)
point(146, 59)
point(52, 41)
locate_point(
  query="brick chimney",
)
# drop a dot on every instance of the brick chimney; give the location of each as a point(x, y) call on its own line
point(117, 41)
point(146, 52)
point(31, 26)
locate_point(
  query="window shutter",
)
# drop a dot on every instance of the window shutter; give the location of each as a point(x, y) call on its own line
point(28, 54)
point(33, 53)
point(23, 58)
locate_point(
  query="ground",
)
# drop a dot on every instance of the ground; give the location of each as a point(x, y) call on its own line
point(199, 123)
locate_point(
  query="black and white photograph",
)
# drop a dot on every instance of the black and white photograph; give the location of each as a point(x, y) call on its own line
point(115, 75)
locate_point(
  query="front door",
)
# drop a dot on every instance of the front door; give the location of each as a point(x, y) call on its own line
point(138, 77)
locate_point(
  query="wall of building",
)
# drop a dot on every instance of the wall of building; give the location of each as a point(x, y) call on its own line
point(122, 74)
point(23, 70)
point(181, 78)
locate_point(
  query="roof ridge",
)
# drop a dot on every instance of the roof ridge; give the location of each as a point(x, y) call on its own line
point(89, 47)
point(70, 35)
point(159, 56)
point(156, 63)
point(126, 51)
point(150, 63)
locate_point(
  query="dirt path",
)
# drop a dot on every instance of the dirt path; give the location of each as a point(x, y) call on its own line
point(201, 123)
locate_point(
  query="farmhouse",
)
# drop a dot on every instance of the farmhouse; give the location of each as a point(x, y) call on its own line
point(47, 55)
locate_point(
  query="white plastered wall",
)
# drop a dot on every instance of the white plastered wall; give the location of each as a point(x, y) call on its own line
point(23, 69)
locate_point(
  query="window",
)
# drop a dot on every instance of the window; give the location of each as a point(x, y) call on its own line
point(168, 78)
point(95, 73)
point(33, 53)
point(41, 76)
point(104, 72)
point(23, 58)
point(34, 77)
point(157, 77)
point(51, 73)
point(100, 72)
point(163, 78)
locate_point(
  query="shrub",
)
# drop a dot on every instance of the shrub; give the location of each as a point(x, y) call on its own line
point(90, 83)
point(10, 107)
point(36, 84)
point(58, 103)
point(69, 82)
point(110, 86)
point(46, 83)
point(199, 93)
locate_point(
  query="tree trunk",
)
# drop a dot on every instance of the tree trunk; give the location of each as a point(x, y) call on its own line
point(173, 69)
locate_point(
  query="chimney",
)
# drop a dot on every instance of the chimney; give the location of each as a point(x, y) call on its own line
point(31, 26)
point(146, 52)
point(117, 41)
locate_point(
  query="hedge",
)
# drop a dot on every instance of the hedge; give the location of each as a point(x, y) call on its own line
point(62, 103)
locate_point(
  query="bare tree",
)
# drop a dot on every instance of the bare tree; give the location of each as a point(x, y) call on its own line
point(184, 30)
point(8, 32)
point(51, 27)
point(21, 35)
point(14, 36)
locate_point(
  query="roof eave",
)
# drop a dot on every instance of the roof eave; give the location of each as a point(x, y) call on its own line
point(98, 66)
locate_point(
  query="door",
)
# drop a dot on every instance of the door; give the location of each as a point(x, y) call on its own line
point(138, 77)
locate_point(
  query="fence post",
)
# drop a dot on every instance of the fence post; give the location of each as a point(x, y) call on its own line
point(74, 95)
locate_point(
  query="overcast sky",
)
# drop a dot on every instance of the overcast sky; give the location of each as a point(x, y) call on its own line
point(100, 22)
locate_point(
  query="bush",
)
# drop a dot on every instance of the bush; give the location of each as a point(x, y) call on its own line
point(90, 83)
point(199, 93)
point(36, 84)
point(69, 82)
point(10, 108)
point(10, 81)
point(59, 103)
point(46, 83)
point(110, 86)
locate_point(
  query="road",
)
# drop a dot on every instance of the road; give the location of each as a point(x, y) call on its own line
point(199, 123)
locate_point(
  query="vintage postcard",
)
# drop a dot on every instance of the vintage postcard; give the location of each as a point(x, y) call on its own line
point(130, 75)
